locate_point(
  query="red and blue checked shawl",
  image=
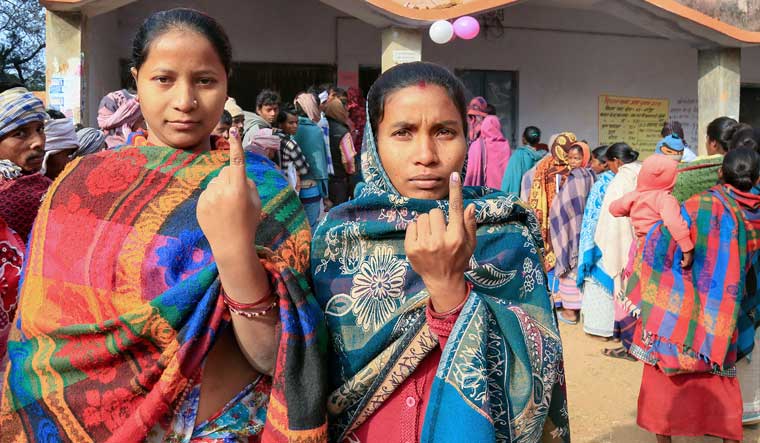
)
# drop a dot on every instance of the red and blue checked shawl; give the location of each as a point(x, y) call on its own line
point(700, 319)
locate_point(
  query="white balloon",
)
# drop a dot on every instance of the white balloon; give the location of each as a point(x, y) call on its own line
point(442, 31)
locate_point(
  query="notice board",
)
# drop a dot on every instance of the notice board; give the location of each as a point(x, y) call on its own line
point(634, 120)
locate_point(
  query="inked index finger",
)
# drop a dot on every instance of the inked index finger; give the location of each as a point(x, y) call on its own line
point(456, 203)
point(237, 159)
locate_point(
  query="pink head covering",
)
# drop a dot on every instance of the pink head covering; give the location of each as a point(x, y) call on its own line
point(476, 112)
point(488, 168)
point(265, 143)
point(309, 105)
point(117, 114)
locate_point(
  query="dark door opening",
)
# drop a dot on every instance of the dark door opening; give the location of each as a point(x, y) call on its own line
point(749, 105)
point(248, 79)
point(499, 88)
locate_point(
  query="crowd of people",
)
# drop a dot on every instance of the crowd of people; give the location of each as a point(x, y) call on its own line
point(342, 268)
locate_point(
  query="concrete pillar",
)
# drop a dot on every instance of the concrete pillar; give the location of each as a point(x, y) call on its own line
point(719, 88)
point(64, 32)
point(400, 46)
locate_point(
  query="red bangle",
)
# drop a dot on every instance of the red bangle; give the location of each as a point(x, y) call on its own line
point(244, 306)
point(255, 313)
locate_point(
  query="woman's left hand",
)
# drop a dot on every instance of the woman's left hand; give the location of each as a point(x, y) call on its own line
point(441, 253)
point(229, 209)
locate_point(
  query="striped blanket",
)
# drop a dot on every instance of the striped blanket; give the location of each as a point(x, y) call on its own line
point(566, 217)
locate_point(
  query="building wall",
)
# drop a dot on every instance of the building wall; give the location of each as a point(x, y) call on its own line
point(564, 58)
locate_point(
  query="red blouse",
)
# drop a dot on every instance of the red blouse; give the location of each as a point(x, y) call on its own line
point(400, 418)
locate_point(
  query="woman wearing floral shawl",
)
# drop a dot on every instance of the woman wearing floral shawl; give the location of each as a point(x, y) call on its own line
point(549, 177)
point(439, 331)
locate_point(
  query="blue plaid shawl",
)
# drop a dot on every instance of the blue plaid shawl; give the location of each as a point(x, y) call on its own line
point(500, 377)
point(565, 217)
point(588, 252)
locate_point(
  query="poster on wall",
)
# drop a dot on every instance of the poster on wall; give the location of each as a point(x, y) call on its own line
point(634, 120)
point(686, 112)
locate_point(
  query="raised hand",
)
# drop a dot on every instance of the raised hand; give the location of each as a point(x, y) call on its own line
point(441, 253)
point(229, 209)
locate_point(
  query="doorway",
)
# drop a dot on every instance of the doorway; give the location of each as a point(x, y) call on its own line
point(499, 88)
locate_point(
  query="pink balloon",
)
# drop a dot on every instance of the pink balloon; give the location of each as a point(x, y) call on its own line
point(466, 28)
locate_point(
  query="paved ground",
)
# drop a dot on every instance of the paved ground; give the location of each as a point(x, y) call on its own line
point(602, 393)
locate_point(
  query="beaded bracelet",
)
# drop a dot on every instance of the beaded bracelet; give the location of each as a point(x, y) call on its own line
point(253, 314)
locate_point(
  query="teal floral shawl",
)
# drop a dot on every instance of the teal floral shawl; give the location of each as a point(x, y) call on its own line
point(501, 375)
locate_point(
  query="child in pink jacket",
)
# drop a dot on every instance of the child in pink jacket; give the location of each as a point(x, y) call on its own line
point(652, 201)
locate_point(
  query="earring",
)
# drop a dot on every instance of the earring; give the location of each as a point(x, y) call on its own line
point(195, 103)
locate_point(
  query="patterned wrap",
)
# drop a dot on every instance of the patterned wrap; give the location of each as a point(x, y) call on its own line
point(120, 298)
point(19, 107)
point(702, 319)
point(550, 174)
point(500, 377)
point(565, 219)
point(588, 252)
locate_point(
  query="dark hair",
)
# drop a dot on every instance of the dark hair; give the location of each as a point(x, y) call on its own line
point(741, 168)
point(745, 136)
point(490, 110)
point(600, 153)
point(409, 74)
point(162, 22)
point(286, 110)
point(722, 131)
point(6, 84)
point(226, 118)
point(267, 97)
point(325, 87)
point(532, 135)
point(673, 127)
point(340, 92)
point(622, 151)
point(575, 147)
point(55, 114)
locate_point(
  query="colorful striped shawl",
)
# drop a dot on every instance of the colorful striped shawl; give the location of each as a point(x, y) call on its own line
point(550, 172)
point(566, 217)
point(588, 252)
point(701, 319)
point(501, 375)
point(120, 299)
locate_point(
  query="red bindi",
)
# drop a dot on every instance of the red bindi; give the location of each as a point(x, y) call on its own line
point(422, 84)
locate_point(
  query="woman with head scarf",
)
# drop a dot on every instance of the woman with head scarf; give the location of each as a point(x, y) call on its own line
point(430, 320)
point(314, 185)
point(341, 150)
point(549, 176)
point(22, 141)
point(118, 115)
point(488, 155)
point(476, 113)
point(61, 143)
point(565, 219)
